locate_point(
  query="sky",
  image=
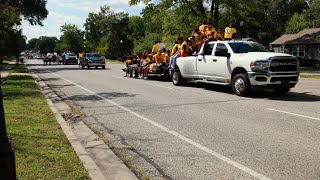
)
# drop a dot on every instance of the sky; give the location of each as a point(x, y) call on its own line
point(75, 12)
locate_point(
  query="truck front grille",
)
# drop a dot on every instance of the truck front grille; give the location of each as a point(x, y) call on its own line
point(282, 65)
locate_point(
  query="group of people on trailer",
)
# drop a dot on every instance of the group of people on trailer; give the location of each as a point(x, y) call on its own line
point(52, 58)
point(160, 61)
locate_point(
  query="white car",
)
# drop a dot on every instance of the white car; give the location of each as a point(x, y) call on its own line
point(241, 64)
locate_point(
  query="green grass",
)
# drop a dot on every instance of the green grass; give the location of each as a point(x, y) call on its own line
point(41, 148)
point(21, 68)
point(5, 62)
point(113, 61)
point(309, 69)
point(313, 76)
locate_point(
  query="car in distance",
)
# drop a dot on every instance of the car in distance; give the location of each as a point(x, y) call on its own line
point(93, 60)
point(69, 58)
point(241, 64)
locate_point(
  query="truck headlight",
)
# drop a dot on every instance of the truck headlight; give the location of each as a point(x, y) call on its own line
point(260, 65)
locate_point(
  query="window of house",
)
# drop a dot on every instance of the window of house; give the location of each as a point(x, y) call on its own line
point(298, 51)
point(281, 49)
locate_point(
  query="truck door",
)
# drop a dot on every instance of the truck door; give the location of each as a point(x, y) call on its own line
point(205, 62)
point(222, 68)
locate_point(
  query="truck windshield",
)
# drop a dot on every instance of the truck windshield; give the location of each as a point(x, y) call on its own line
point(245, 47)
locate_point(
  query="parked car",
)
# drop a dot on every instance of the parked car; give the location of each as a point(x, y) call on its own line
point(93, 60)
point(241, 64)
point(69, 58)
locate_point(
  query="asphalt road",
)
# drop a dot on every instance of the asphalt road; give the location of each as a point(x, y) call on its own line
point(199, 131)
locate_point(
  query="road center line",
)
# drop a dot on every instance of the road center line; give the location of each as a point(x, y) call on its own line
point(314, 118)
point(164, 87)
point(176, 134)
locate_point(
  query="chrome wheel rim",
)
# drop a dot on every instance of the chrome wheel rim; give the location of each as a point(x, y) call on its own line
point(175, 77)
point(239, 85)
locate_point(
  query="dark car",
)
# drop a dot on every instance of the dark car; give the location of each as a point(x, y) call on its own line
point(93, 60)
point(69, 58)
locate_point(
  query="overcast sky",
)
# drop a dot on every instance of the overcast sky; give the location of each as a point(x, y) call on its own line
point(75, 12)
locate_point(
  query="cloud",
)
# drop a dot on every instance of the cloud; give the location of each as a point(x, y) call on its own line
point(75, 12)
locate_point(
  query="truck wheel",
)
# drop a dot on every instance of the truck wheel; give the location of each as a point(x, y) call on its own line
point(282, 90)
point(177, 79)
point(241, 85)
point(103, 67)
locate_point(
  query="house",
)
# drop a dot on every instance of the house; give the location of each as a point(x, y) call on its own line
point(305, 45)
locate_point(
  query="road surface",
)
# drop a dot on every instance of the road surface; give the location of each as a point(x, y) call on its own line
point(199, 131)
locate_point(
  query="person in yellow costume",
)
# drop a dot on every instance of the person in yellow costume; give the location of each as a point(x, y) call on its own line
point(175, 48)
point(211, 33)
point(159, 58)
point(203, 27)
point(229, 32)
point(220, 34)
point(144, 63)
point(185, 48)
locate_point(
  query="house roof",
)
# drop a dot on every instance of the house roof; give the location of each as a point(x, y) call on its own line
point(311, 35)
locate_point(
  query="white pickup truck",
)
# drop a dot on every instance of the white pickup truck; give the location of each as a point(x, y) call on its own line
point(241, 64)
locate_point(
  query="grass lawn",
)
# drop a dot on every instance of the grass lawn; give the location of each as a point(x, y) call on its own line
point(21, 68)
point(41, 148)
point(314, 76)
point(113, 61)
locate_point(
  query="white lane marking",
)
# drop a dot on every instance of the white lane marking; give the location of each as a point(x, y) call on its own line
point(199, 146)
point(117, 77)
point(164, 87)
point(314, 118)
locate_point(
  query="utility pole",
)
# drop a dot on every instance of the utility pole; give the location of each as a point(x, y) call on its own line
point(7, 157)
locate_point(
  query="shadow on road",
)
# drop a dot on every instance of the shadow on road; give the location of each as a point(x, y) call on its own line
point(108, 95)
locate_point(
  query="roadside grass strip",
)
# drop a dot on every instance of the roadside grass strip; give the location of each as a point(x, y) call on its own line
point(42, 151)
point(313, 76)
point(19, 69)
point(113, 61)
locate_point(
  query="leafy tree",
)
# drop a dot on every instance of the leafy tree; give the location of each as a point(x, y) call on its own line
point(297, 23)
point(313, 13)
point(11, 14)
point(105, 30)
point(136, 27)
point(71, 39)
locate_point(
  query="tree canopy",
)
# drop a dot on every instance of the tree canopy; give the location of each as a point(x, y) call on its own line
point(163, 21)
point(11, 14)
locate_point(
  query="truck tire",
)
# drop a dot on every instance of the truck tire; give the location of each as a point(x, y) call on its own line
point(103, 67)
point(177, 79)
point(281, 90)
point(241, 85)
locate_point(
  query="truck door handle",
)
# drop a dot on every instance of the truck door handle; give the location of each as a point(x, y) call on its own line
point(199, 59)
point(214, 60)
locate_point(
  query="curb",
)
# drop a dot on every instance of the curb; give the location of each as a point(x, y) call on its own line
point(96, 156)
point(89, 164)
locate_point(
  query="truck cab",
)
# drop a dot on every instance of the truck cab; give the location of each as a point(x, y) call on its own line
point(241, 64)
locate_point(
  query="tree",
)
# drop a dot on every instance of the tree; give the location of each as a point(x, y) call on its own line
point(11, 13)
point(105, 30)
point(313, 13)
point(297, 23)
point(71, 39)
